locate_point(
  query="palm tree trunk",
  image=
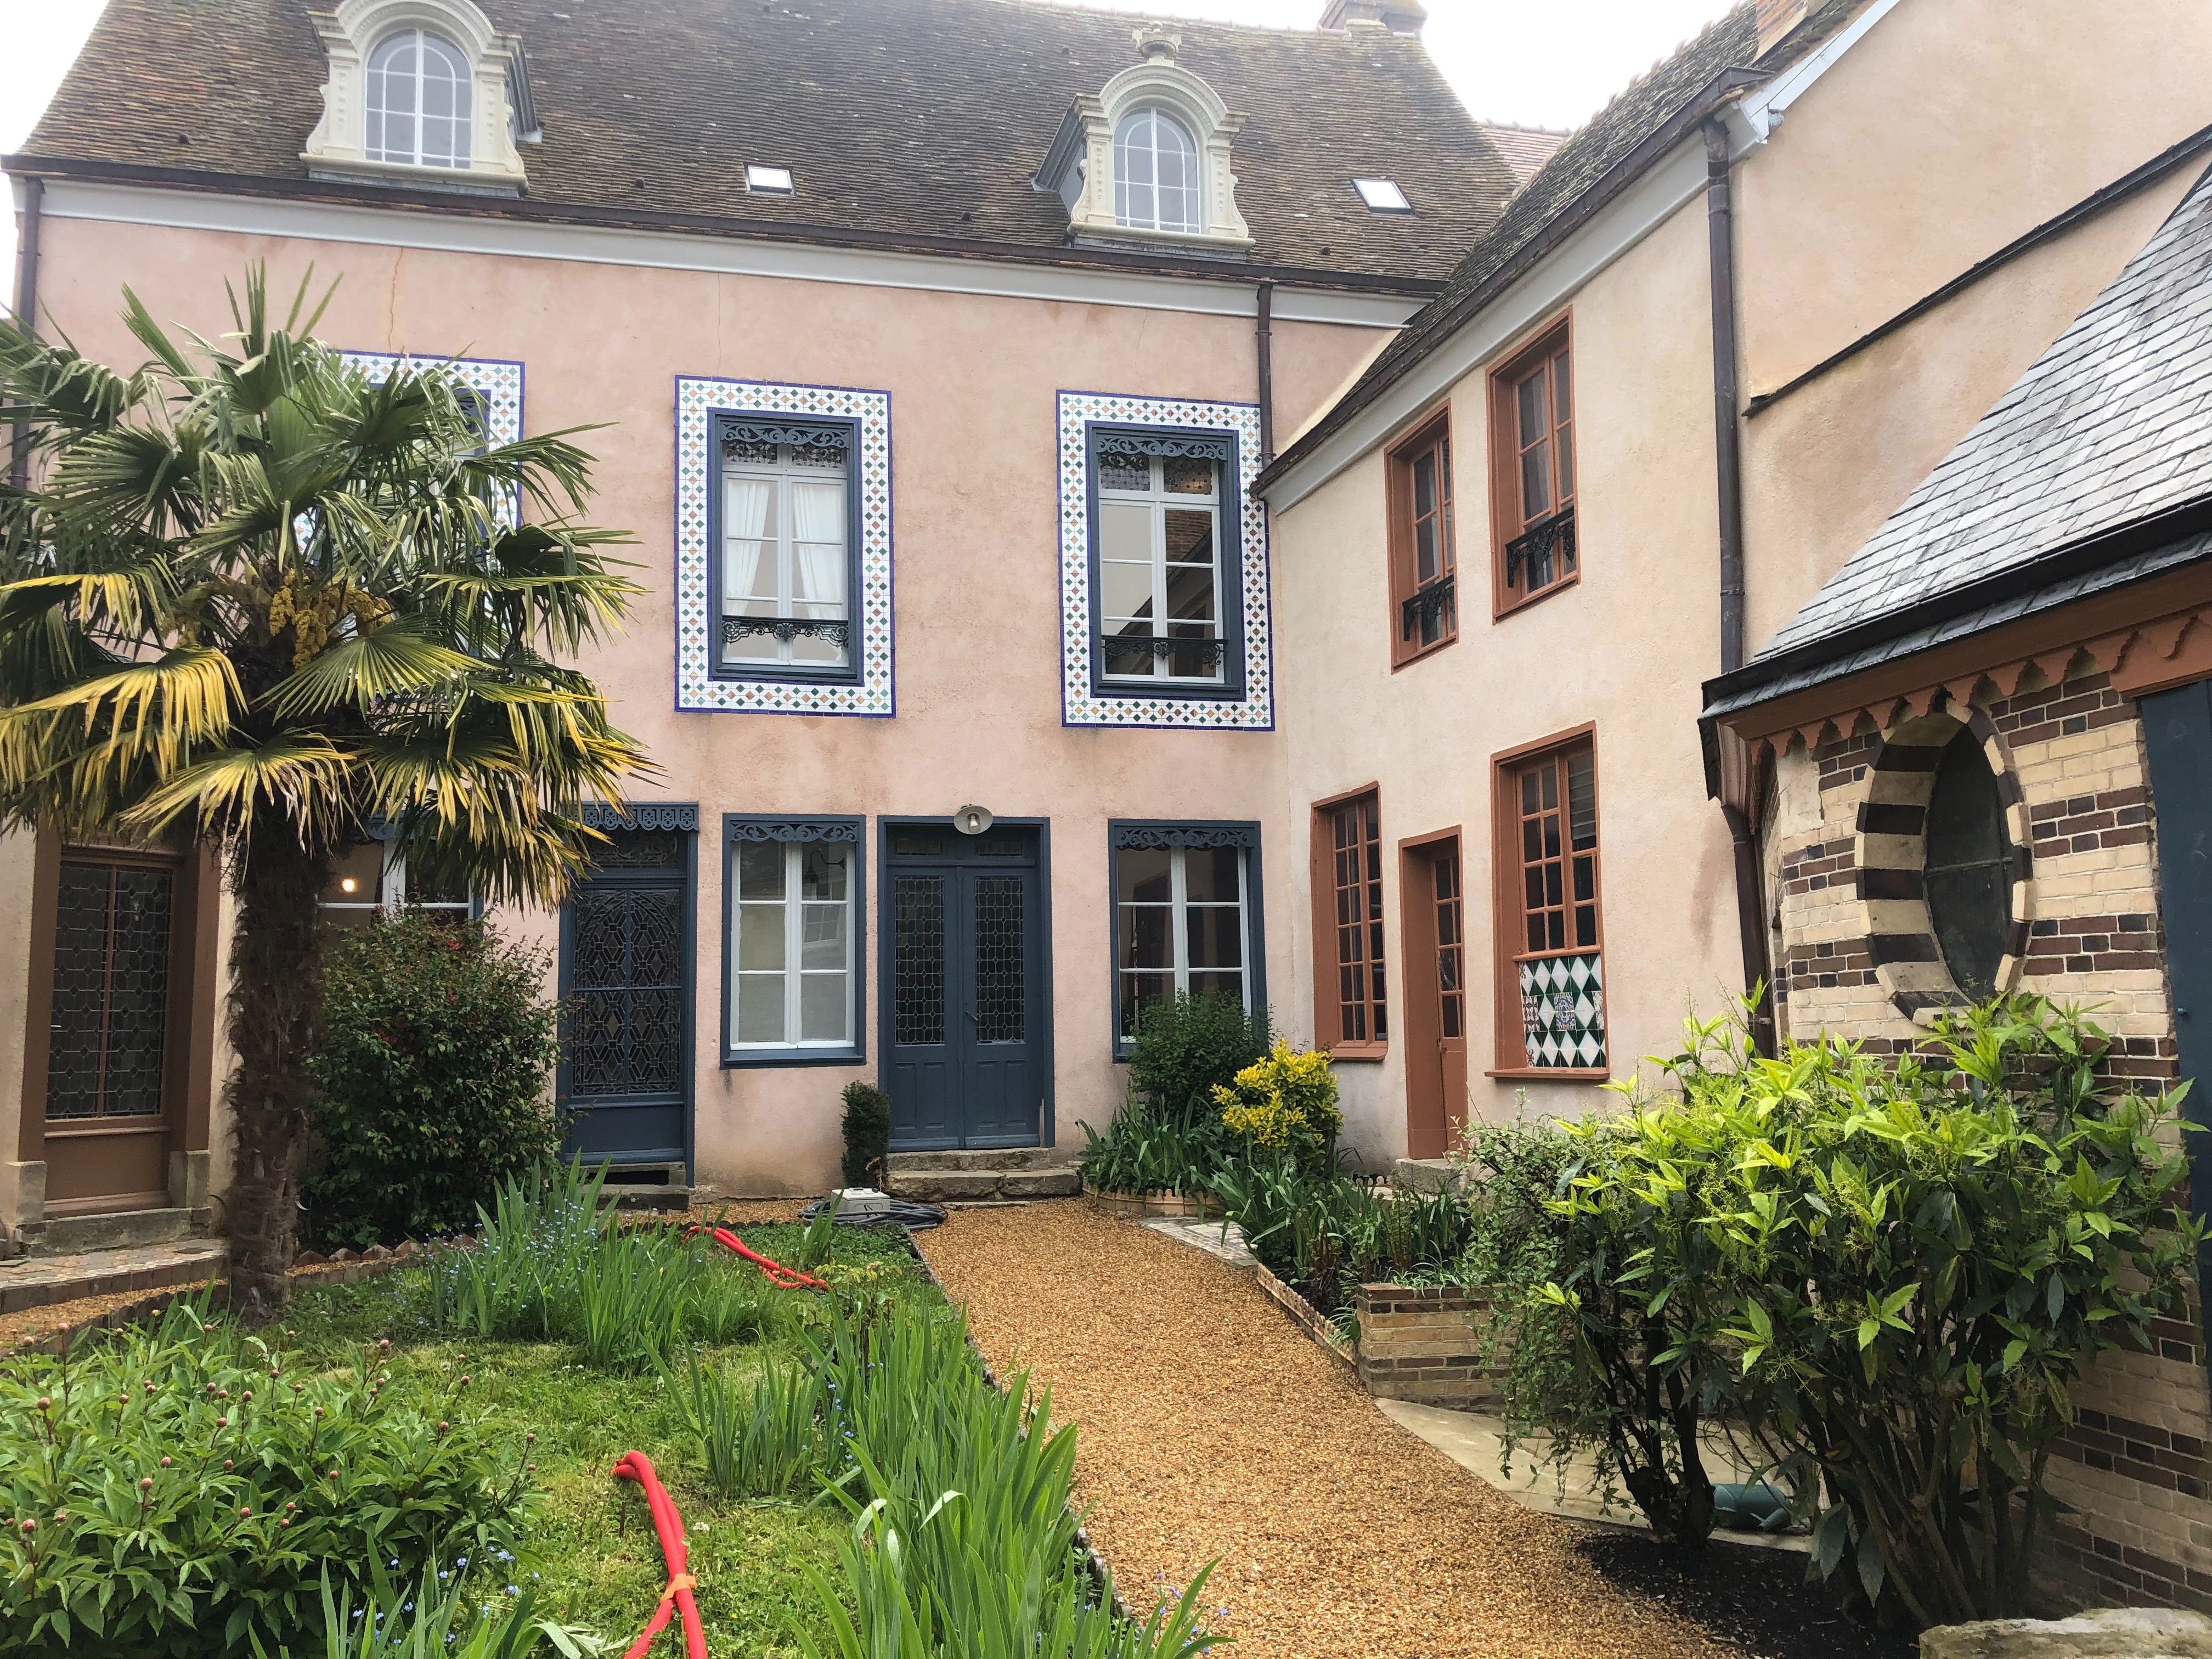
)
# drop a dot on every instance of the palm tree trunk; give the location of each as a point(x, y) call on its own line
point(274, 1005)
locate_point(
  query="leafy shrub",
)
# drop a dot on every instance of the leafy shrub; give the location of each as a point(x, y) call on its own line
point(1186, 1048)
point(1891, 1272)
point(1142, 1152)
point(868, 1134)
point(1284, 1102)
point(430, 1078)
point(177, 1492)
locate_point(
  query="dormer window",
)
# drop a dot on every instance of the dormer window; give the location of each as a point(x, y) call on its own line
point(1147, 161)
point(1155, 173)
point(424, 93)
point(418, 101)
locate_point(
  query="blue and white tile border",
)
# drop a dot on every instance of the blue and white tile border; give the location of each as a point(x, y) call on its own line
point(494, 379)
point(1080, 705)
point(697, 401)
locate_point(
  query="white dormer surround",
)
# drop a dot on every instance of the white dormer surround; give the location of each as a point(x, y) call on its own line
point(352, 33)
point(1079, 169)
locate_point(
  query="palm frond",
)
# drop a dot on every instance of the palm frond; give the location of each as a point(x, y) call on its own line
point(304, 776)
point(357, 673)
point(157, 710)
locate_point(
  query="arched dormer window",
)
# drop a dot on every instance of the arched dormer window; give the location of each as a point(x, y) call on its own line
point(424, 93)
point(1147, 160)
point(1156, 182)
point(417, 101)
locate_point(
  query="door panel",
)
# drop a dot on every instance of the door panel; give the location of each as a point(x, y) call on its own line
point(2177, 739)
point(627, 975)
point(1434, 1034)
point(969, 1035)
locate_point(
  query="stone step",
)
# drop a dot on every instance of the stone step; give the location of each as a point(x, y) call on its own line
point(40, 1281)
point(123, 1229)
point(956, 1186)
point(990, 1157)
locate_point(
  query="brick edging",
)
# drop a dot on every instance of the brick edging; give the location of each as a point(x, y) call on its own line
point(1307, 1318)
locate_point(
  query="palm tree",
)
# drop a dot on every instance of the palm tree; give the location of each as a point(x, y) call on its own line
point(254, 598)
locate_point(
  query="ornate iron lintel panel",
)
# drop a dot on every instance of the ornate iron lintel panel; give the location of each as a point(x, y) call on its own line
point(769, 432)
point(789, 829)
point(1154, 836)
point(1425, 605)
point(1173, 444)
point(787, 629)
point(642, 815)
point(1545, 550)
point(1209, 651)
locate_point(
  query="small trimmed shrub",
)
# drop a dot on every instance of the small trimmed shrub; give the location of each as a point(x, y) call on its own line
point(176, 1492)
point(868, 1134)
point(1186, 1048)
point(1283, 1103)
point(430, 1078)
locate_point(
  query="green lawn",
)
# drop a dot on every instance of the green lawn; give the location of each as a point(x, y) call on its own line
point(594, 1557)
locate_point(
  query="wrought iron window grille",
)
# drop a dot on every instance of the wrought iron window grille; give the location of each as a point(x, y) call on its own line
point(1211, 653)
point(733, 434)
point(1142, 445)
point(1425, 605)
point(787, 629)
point(1545, 550)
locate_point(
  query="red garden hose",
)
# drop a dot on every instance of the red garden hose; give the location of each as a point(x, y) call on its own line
point(636, 1465)
point(789, 1278)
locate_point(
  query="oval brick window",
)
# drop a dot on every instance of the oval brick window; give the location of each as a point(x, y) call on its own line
point(1968, 872)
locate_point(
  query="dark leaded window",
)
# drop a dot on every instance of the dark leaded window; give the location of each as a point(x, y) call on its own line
point(1969, 885)
point(785, 533)
point(111, 991)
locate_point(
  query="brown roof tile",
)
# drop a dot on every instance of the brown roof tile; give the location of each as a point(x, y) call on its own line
point(913, 117)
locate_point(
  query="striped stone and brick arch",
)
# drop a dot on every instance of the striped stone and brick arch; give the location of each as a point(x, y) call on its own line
point(1890, 855)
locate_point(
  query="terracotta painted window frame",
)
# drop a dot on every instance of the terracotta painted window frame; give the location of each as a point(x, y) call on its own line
point(1328, 1005)
point(1508, 912)
point(1431, 434)
point(1506, 521)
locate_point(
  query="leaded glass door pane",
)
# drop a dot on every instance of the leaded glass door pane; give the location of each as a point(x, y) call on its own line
point(627, 970)
point(111, 1005)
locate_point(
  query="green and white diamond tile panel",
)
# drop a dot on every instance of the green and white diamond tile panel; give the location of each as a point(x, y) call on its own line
point(1563, 1012)
point(697, 689)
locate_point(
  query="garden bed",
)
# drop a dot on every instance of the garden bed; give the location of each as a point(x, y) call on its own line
point(1130, 1206)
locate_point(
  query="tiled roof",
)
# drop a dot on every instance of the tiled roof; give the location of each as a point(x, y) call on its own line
point(1525, 148)
point(918, 116)
point(2112, 425)
point(1560, 186)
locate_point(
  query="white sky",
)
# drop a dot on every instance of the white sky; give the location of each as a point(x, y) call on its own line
point(1551, 63)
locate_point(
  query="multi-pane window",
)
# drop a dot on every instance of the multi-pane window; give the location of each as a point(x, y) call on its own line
point(1349, 865)
point(794, 905)
point(1451, 946)
point(785, 549)
point(1532, 415)
point(370, 879)
point(1162, 587)
point(1155, 173)
point(1423, 559)
point(1551, 924)
point(417, 101)
point(1181, 923)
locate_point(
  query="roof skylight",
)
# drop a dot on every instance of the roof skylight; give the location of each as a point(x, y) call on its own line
point(1383, 195)
point(768, 181)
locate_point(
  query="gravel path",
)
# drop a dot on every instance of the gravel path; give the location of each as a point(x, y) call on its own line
point(1210, 1427)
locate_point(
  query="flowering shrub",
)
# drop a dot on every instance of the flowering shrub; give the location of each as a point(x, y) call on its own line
point(430, 1078)
point(179, 1492)
point(1284, 1104)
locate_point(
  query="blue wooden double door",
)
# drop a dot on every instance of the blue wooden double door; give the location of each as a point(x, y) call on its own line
point(967, 1009)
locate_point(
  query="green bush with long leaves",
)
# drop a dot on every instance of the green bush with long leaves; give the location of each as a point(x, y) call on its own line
point(179, 1491)
point(430, 1074)
point(1889, 1272)
point(1169, 1136)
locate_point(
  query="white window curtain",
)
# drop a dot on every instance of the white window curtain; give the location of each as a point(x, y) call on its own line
point(817, 536)
point(785, 556)
point(746, 503)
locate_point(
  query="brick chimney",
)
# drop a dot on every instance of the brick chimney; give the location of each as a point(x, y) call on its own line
point(1399, 16)
point(1776, 18)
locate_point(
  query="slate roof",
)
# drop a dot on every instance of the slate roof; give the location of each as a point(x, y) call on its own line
point(1525, 148)
point(917, 117)
point(2111, 425)
point(1564, 184)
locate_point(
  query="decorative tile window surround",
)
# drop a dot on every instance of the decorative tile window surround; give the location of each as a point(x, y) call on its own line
point(1245, 701)
point(758, 847)
point(496, 382)
point(699, 687)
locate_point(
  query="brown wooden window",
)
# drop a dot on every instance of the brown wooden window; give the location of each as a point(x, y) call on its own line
point(1533, 464)
point(1424, 602)
point(1551, 980)
point(1351, 1017)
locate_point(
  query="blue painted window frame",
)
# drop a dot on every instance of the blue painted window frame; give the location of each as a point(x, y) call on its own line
point(1121, 832)
point(1229, 535)
point(849, 830)
point(718, 420)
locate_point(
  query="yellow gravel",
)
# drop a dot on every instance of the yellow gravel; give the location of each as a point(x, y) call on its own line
point(1211, 1428)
